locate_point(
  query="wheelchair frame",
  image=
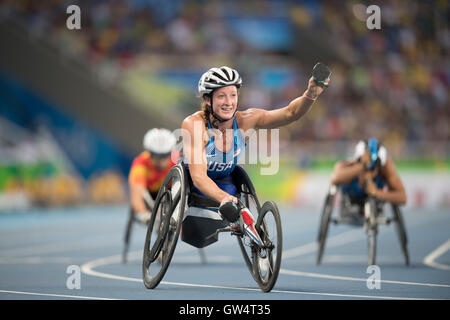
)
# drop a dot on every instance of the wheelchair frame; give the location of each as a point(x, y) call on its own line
point(371, 222)
point(129, 227)
point(169, 229)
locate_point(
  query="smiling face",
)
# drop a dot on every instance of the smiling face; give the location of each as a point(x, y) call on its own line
point(225, 101)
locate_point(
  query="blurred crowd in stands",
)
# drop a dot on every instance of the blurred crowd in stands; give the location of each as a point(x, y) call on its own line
point(63, 189)
point(391, 83)
point(34, 171)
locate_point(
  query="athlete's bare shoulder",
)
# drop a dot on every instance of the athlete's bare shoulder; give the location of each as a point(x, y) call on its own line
point(247, 119)
point(191, 124)
point(189, 121)
point(195, 116)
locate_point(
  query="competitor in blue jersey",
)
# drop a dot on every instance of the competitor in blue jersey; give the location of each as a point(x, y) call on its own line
point(213, 137)
point(370, 172)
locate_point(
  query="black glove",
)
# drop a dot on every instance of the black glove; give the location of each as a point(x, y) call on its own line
point(321, 73)
point(230, 211)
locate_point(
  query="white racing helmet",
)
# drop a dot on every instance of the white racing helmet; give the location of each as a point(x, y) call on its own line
point(159, 142)
point(218, 77)
point(381, 152)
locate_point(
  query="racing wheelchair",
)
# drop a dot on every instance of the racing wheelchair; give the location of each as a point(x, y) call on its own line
point(370, 218)
point(170, 218)
point(149, 203)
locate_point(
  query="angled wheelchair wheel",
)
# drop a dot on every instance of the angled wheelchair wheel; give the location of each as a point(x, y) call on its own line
point(164, 227)
point(372, 246)
point(325, 219)
point(129, 227)
point(371, 229)
point(127, 236)
point(266, 261)
point(401, 232)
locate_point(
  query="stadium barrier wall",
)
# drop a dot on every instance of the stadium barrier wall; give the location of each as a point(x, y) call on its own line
point(308, 188)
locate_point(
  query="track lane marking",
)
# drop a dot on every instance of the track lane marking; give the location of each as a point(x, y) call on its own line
point(429, 259)
point(347, 237)
point(329, 276)
point(336, 240)
point(88, 267)
point(333, 241)
point(52, 248)
point(56, 295)
point(37, 260)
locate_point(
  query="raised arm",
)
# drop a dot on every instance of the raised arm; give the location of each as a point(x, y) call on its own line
point(194, 151)
point(297, 108)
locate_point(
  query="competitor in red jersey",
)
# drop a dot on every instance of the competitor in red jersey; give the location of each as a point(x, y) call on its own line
point(149, 169)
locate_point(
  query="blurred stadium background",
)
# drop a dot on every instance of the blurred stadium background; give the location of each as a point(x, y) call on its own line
point(74, 104)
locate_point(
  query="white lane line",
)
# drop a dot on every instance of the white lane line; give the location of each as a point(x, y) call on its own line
point(88, 267)
point(429, 259)
point(36, 260)
point(337, 240)
point(350, 258)
point(291, 292)
point(334, 241)
point(54, 248)
point(328, 276)
point(347, 237)
point(55, 295)
point(195, 259)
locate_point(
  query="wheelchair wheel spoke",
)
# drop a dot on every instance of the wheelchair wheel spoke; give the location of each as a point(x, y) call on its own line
point(161, 238)
point(176, 200)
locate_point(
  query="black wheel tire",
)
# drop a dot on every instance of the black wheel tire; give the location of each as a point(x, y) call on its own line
point(372, 231)
point(372, 246)
point(401, 232)
point(267, 281)
point(127, 236)
point(163, 243)
point(250, 200)
point(323, 227)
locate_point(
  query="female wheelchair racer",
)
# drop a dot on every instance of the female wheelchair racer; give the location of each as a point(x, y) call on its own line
point(213, 139)
point(365, 183)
